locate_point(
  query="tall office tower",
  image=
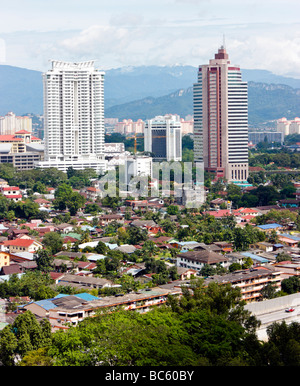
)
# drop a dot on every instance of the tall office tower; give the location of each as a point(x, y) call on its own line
point(221, 119)
point(163, 138)
point(74, 116)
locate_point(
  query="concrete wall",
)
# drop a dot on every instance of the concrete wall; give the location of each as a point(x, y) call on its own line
point(273, 305)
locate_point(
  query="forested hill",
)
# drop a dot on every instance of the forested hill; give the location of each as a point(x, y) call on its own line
point(267, 102)
point(146, 91)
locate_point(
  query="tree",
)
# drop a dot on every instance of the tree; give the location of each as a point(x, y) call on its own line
point(291, 285)
point(283, 345)
point(136, 235)
point(282, 256)
point(101, 248)
point(52, 177)
point(66, 198)
point(38, 357)
point(172, 209)
point(269, 291)
point(25, 334)
point(8, 345)
point(53, 242)
point(44, 260)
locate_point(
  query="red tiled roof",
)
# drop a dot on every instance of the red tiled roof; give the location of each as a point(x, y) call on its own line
point(7, 188)
point(19, 242)
point(22, 132)
point(9, 137)
point(219, 213)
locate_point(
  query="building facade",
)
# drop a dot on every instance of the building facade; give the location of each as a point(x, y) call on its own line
point(10, 124)
point(163, 138)
point(288, 127)
point(74, 116)
point(137, 166)
point(220, 100)
point(128, 126)
point(271, 136)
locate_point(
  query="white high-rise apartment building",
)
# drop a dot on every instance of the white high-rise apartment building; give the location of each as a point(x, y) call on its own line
point(10, 124)
point(288, 127)
point(221, 119)
point(163, 138)
point(74, 116)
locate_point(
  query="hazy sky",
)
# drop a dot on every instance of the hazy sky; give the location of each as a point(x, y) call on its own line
point(261, 34)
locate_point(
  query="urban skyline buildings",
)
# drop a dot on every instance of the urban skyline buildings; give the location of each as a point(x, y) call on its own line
point(220, 103)
point(163, 138)
point(11, 123)
point(74, 116)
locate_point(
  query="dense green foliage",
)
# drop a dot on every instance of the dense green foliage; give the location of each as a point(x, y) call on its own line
point(208, 326)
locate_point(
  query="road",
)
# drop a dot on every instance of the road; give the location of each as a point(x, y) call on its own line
point(273, 310)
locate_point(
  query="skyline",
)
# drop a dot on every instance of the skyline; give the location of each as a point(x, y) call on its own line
point(258, 35)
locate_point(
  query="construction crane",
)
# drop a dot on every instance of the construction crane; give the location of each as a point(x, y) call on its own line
point(141, 136)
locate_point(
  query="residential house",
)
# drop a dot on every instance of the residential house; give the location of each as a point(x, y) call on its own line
point(21, 257)
point(62, 265)
point(11, 269)
point(287, 268)
point(65, 228)
point(150, 225)
point(289, 203)
point(186, 273)
point(126, 248)
point(92, 193)
point(11, 192)
point(69, 241)
point(257, 259)
point(220, 213)
point(43, 203)
point(267, 247)
point(289, 240)
point(84, 282)
point(22, 245)
point(106, 219)
point(268, 228)
point(198, 259)
point(216, 203)
point(4, 259)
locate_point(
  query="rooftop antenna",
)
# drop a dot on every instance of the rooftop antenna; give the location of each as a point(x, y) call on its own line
point(224, 45)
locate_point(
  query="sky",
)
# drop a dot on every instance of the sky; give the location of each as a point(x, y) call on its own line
point(119, 33)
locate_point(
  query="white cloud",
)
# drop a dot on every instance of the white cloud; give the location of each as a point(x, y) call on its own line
point(161, 32)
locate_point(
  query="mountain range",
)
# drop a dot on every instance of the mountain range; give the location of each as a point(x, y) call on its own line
point(146, 91)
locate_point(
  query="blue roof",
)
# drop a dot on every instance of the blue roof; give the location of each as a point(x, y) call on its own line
point(87, 227)
point(188, 242)
point(296, 238)
point(255, 257)
point(86, 296)
point(269, 226)
point(48, 304)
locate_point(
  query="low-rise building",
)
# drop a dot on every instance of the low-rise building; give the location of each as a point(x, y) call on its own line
point(4, 259)
point(11, 192)
point(197, 259)
point(250, 281)
point(22, 245)
point(64, 311)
